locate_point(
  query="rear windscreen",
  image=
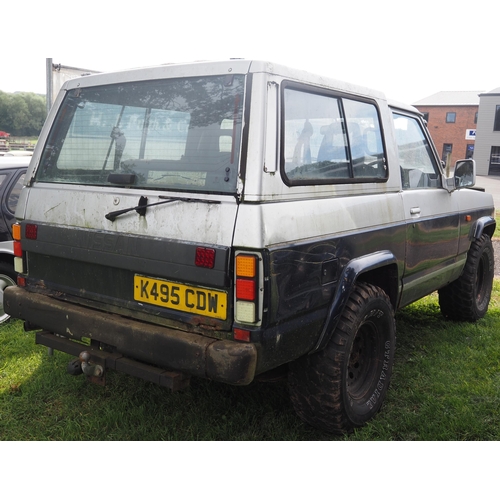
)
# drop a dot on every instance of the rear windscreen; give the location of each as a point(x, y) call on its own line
point(178, 134)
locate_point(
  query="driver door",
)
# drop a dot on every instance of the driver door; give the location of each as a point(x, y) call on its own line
point(431, 212)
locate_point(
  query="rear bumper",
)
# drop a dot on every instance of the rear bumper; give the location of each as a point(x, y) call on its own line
point(221, 360)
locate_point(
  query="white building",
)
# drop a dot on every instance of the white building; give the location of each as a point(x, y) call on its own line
point(487, 148)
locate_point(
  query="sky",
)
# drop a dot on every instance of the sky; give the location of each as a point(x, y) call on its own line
point(407, 50)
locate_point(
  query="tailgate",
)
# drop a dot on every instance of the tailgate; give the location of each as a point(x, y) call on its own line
point(168, 262)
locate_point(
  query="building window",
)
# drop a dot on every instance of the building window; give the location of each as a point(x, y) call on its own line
point(426, 117)
point(450, 117)
point(469, 151)
point(496, 125)
point(475, 117)
point(494, 159)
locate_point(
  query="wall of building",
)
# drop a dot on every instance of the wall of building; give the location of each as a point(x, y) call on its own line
point(451, 133)
point(486, 137)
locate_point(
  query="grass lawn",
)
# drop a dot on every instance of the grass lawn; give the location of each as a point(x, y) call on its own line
point(445, 387)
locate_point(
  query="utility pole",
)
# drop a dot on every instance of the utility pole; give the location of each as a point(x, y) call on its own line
point(48, 69)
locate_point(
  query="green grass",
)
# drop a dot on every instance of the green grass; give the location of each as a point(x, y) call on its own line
point(445, 386)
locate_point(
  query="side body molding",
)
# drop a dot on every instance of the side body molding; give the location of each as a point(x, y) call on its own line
point(347, 282)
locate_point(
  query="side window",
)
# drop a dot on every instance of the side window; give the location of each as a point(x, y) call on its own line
point(418, 167)
point(329, 139)
point(14, 194)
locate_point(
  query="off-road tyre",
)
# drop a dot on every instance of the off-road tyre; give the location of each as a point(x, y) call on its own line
point(344, 385)
point(467, 298)
point(7, 278)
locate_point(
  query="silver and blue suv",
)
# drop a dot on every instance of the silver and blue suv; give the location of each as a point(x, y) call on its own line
point(228, 219)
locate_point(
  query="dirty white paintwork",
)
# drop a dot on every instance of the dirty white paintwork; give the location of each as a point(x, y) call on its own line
point(86, 207)
point(267, 224)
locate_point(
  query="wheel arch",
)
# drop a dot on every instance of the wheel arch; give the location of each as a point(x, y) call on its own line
point(379, 269)
point(483, 225)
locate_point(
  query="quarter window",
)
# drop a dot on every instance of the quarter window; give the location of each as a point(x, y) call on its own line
point(330, 139)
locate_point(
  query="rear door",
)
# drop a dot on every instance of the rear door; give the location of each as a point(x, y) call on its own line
point(135, 197)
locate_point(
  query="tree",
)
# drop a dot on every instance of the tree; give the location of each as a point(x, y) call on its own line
point(22, 113)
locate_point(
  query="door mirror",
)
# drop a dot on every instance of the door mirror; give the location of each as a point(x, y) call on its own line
point(464, 173)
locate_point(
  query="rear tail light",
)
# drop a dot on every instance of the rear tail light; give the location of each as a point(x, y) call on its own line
point(18, 251)
point(246, 288)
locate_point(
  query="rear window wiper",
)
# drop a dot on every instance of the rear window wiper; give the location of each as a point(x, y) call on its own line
point(143, 204)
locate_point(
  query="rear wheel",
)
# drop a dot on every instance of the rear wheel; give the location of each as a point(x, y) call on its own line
point(467, 298)
point(344, 385)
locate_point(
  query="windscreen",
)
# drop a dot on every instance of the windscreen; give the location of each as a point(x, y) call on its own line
point(179, 134)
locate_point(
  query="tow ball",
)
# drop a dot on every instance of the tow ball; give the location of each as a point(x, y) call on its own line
point(82, 364)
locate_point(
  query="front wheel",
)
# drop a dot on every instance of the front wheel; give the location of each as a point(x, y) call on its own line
point(467, 298)
point(344, 385)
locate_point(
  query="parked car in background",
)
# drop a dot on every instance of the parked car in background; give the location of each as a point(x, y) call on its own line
point(12, 171)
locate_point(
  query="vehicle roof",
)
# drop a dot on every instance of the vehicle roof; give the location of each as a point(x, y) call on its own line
point(234, 66)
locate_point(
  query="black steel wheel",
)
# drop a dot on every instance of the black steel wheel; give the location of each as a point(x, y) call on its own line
point(344, 386)
point(468, 297)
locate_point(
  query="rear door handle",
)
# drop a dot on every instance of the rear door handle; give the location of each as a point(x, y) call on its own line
point(415, 211)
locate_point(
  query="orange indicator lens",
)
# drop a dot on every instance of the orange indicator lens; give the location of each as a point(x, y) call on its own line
point(246, 266)
point(16, 231)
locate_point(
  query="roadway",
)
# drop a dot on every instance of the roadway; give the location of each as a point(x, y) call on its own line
point(492, 185)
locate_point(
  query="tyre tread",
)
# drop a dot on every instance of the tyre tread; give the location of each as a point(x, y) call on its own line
point(315, 381)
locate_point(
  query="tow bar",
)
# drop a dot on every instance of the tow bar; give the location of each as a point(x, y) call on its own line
point(95, 372)
point(94, 363)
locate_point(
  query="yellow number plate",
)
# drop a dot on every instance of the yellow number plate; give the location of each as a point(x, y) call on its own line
point(202, 301)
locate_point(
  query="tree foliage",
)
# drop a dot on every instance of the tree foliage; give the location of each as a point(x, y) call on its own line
point(22, 113)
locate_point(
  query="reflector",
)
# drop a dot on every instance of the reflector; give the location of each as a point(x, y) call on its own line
point(31, 231)
point(240, 334)
point(205, 257)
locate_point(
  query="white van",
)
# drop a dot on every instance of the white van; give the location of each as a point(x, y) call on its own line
point(232, 219)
